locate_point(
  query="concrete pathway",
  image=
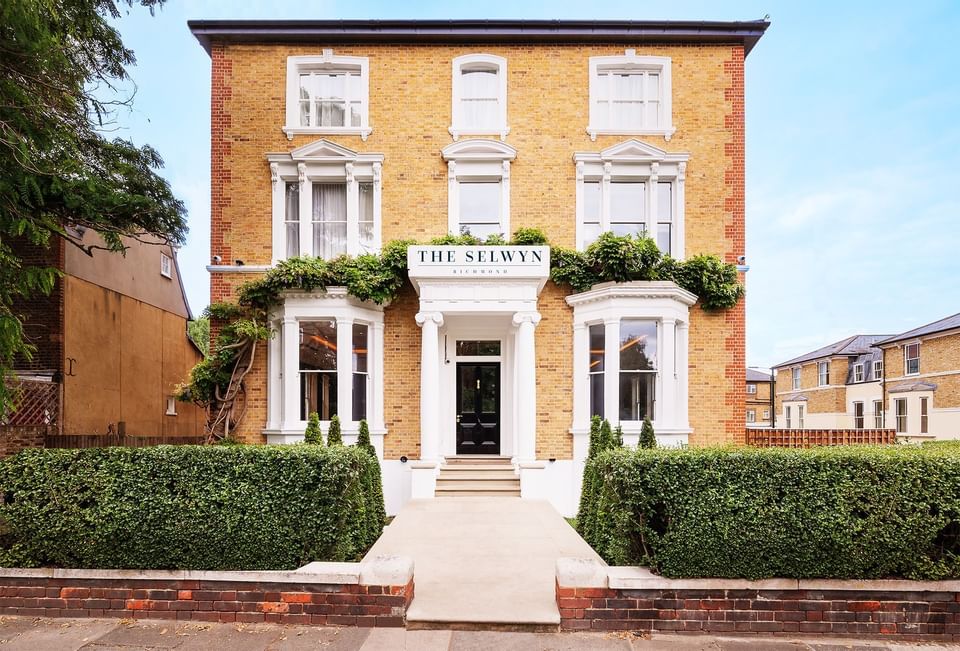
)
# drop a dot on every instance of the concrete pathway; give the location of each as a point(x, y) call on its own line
point(29, 634)
point(482, 560)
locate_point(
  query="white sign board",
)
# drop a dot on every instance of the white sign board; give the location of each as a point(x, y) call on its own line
point(478, 262)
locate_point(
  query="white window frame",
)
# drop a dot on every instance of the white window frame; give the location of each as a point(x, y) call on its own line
point(171, 406)
point(478, 160)
point(638, 162)
point(458, 128)
point(907, 360)
point(787, 409)
point(795, 378)
point(751, 415)
point(166, 265)
point(659, 301)
point(800, 410)
point(766, 414)
point(823, 374)
point(878, 414)
point(630, 61)
point(324, 162)
point(326, 62)
point(924, 415)
point(859, 421)
point(878, 369)
point(284, 424)
point(858, 372)
point(901, 420)
point(751, 388)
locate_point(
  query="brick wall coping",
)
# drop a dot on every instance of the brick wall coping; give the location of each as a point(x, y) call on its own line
point(590, 573)
point(380, 570)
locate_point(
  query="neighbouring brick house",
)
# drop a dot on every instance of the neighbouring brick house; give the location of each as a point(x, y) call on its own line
point(111, 343)
point(759, 410)
point(832, 388)
point(332, 137)
point(921, 389)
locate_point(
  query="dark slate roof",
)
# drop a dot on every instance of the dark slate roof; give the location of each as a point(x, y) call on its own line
point(904, 387)
point(753, 375)
point(746, 33)
point(854, 345)
point(867, 359)
point(946, 323)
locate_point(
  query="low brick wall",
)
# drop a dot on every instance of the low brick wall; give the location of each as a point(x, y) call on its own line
point(591, 596)
point(804, 438)
point(336, 594)
point(14, 438)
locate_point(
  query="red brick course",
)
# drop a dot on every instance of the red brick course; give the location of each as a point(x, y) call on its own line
point(906, 615)
point(324, 604)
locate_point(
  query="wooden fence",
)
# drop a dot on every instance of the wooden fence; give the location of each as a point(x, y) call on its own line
point(805, 438)
point(74, 441)
point(35, 402)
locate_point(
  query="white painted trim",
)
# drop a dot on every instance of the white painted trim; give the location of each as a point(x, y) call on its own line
point(475, 160)
point(641, 162)
point(327, 62)
point(238, 269)
point(630, 61)
point(458, 129)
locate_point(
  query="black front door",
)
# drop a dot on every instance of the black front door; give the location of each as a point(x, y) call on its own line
point(478, 408)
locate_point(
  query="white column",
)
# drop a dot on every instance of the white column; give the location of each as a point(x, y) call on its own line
point(306, 211)
point(526, 376)
point(650, 209)
point(578, 203)
point(453, 199)
point(291, 374)
point(611, 371)
point(278, 208)
point(683, 400)
point(377, 212)
point(666, 413)
point(353, 212)
point(581, 369)
point(679, 228)
point(345, 369)
point(429, 323)
point(274, 375)
point(605, 197)
point(505, 198)
point(375, 367)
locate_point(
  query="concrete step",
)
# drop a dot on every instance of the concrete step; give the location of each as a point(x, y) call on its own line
point(500, 627)
point(485, 475)
point(478, 467)
point(477, 460)
point(479, 484)
point(476, 493)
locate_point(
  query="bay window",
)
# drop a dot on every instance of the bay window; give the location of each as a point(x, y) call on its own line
point(479, 96)
point(630, 94)
point(326, 201)
point(630, 357)
point(326, 357)
point(631, 189)
point(327, 94)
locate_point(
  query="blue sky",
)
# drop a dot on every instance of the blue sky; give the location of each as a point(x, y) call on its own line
point(853, 148)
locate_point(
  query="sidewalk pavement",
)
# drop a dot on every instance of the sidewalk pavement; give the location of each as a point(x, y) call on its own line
point(38, 634)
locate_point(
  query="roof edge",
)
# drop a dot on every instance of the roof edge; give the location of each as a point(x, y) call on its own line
point(331, 31)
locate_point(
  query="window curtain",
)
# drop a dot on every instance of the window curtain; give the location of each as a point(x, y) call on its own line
point(479, 98)
point(329, 220)
point(291, 219)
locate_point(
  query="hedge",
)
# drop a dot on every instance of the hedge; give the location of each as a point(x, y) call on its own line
point(188, 507)
point(844, 512)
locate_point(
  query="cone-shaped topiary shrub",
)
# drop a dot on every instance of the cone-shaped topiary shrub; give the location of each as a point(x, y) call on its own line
point(376, 512)
point(313, 435)
point(647, 438)
point(334, 437)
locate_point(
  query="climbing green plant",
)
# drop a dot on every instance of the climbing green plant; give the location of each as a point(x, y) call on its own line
point(217, 382)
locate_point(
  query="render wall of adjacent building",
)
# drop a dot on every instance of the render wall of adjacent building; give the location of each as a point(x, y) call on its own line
point(547, 97)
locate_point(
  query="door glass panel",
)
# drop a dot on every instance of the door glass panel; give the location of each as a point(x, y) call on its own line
point(488, 386)
point(468, 389)
point(478, 348)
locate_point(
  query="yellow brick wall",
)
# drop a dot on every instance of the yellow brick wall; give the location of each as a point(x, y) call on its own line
point(820, 400)
point(939, 364)
point(410, 106)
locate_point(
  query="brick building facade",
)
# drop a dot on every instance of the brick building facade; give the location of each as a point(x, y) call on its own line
point(337, 137)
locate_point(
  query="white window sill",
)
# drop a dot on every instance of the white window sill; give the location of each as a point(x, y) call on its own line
point(363, 132)
point(667, 132)
point(501, 132)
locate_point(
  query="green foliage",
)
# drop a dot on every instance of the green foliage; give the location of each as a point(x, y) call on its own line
point(312, 434)
point(199, 332)
point(376, 512)
point(334, 435)
point(592, 518)
point(57, 170)
point(618, 437)
point(648, 440)
point(231, 507)
point(839, 512)
point(529, 237)
point(624, 258)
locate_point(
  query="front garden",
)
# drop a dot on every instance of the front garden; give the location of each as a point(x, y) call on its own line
point(864, 512)
point(212, 507)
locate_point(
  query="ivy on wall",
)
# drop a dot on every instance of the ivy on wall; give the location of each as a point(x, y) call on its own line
point(216, 383)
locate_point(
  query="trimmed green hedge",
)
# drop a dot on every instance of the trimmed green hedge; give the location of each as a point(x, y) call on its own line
point(844, 512)
point(188, 507)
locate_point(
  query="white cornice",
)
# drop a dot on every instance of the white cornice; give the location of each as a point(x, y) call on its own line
point(478, 149)
point(631, 151)
point(640, 289)
point(323, 151)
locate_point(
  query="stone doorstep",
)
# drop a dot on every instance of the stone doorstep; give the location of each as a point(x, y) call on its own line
point(380, 570)
point(589, 573)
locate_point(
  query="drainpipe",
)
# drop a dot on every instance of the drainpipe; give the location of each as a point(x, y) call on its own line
point(773, 401)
